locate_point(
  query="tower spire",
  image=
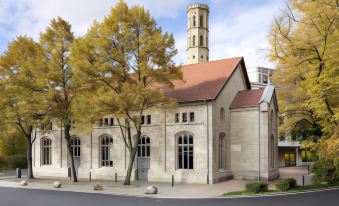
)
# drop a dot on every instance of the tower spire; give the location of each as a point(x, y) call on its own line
point(197, 34)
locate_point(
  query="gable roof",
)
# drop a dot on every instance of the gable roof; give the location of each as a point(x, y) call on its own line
point(247, 98)
point(204, 81)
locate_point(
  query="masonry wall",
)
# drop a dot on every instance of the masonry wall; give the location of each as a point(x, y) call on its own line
point(163, 149)
point(235, 83)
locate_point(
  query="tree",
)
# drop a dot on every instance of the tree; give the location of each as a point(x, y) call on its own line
point(304, 46)
point(57, 42)
point(21, 105)
point(123, 63)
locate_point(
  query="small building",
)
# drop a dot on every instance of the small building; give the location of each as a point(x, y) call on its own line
point(260, 77)
point(222, 128)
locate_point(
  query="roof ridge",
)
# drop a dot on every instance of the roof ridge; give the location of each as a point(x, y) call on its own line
point(213, 61)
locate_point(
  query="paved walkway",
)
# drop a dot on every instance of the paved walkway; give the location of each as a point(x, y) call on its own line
point(137, 188)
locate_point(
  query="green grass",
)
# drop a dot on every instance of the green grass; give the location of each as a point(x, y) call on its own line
point(298, 189)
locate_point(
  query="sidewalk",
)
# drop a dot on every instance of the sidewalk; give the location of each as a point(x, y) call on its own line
point(137, 188)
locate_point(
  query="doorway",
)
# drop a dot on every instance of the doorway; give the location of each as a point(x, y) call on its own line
point(143, 158)
point(290, 159)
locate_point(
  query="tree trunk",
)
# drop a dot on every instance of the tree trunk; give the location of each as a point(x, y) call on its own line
point(132, 154)
point(69, 149)
point(29, 153)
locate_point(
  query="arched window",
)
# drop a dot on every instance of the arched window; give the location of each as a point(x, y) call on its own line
point(201, 20)
point(46, 151)
point(75, 145)
point(272, 120)
point(222, 151)
point(144, 149)
point(194, 20)
point(185, 151)
point(106, 143)
point(272, 151)
point(201, 40)
point(222, 114)
point(193, 43)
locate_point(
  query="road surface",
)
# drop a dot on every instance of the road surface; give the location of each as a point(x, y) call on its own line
point(30, 197)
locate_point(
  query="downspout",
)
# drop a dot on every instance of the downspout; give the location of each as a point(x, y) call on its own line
point(91, 148)
point(165, 140)
point(207, 136)
point(61, 145)
point(259, 145)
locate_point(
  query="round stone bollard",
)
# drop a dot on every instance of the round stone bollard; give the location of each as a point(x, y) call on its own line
point(151, 190)
point(56, 184)
point(23, 183)
point(98, 187)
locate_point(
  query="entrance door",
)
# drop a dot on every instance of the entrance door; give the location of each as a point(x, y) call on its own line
point(143, 159)
point(75, 143)
point(290, 159)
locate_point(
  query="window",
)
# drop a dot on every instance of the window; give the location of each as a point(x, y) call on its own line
point(144, 149)
point(106, 143)
point(201, 41)
point(222, 114)
point(272, 151)
point(106, 121)
point(100, 122)
point(202, 56)
point(201, 20)
point(149, 119)
point(193, 57)
point(185, 151)
point(111, 123)
point(222, 151)
point(191, 116)
point(48, 126)
point(177, 116)
point(75, 145)
point(306, 156)
point(272, 120)
point(46, 151)
point(194, 23)
point(193, 43)
point(146, 119)
point(184, 117)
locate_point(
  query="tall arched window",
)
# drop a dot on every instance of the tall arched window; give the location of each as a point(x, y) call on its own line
point(46, 151)
point(222, 151)
point(106, 143)
point(201, 40)
point(272, 120)
point(272, 151)
point(194, 22)
point(201, 20)
point(193, 43)
point(222, 114)
point(144, 149)
point(75, 145)
point(185, 151)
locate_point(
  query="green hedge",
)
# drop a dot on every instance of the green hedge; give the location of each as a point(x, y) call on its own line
point(286, 184)
point(282, 185)
point(256, 186)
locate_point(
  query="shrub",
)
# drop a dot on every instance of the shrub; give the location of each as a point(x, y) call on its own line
point(256, 186)
point(15, 161)
point(282, 185)
point(292, 183)
point(325, 171)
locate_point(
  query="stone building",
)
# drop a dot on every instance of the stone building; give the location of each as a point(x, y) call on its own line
point(222, 129)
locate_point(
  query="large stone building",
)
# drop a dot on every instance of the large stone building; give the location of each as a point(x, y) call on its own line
point(222, 129)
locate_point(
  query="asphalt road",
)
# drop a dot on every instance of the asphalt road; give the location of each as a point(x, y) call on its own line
point(29, 197)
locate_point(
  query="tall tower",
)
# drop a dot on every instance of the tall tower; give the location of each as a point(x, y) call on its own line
point(197, 33)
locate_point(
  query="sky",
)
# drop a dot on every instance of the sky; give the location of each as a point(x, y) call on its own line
point(237, 27)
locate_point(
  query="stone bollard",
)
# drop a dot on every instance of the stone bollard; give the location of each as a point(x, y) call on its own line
point(56, 184)
point(151, 190)
point(98, 186)
point(23, 183)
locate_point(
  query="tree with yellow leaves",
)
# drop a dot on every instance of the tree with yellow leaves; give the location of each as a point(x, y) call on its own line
point(304, 46)
point(123, 63)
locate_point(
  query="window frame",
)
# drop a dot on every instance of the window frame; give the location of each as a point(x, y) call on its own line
point(105, 160)
point(46, 149)
point(191, 117)
point(222, 164)
point(76, 148)
point(144, 147)
point(183, 147)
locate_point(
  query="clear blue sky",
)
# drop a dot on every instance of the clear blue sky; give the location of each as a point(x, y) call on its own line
point(237, 27)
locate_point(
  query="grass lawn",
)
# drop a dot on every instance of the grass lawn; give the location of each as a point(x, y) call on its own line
point(298, 189)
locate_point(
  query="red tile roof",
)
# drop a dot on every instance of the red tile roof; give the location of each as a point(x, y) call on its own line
point(247, 98)
point(203, 81)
